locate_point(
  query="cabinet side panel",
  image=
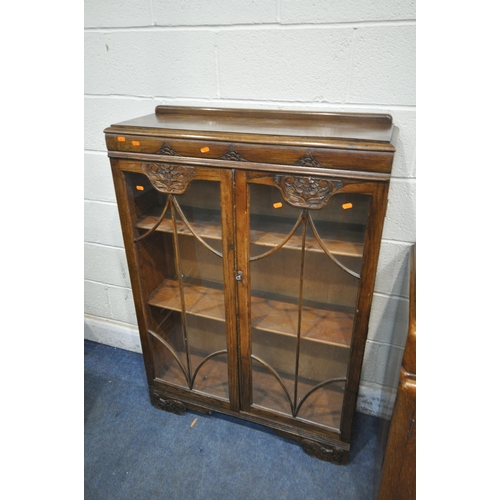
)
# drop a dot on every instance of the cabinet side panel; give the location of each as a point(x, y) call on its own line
point(399, 467)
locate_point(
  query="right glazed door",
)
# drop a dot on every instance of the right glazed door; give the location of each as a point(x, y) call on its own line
point(300, 268)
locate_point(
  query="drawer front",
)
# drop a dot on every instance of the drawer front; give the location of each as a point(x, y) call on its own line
point(371, 161)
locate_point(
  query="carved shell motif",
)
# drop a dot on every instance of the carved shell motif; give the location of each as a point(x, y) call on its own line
point(306, 192)
point(168, 178)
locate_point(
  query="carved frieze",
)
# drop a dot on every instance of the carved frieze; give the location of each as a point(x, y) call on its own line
point(308, 160)
point(166, 150)
point(169, 178)
point(306, 192)
point(232, 155)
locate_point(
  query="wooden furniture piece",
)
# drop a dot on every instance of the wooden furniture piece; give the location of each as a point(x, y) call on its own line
point(252, 240)
point(398, 479)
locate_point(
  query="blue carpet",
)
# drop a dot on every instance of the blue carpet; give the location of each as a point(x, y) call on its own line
point(134, 451)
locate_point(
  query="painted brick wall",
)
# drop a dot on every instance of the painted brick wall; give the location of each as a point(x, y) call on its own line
point(326, 55)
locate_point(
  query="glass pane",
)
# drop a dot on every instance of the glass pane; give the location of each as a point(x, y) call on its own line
point(201, 206)
point(275, 287)
point(305, 266)
point(206, 338)
point(169, 352)
point(271, 350)
point(341, 226)
point(179, 243)
point(271, 220)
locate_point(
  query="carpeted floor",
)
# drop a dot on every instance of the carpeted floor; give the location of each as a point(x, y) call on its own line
point(134, 451)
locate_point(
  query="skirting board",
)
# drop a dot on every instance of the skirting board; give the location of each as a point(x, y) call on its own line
point(373, 399)
point(112, 333)
point(377, 400)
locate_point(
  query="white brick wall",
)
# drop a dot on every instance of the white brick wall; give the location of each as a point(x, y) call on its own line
point(326, 55)
point(284, 64)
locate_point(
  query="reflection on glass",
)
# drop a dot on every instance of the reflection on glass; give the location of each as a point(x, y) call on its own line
point(305, 267)
point(274, 301)
point(341, 227)
point(181, 234)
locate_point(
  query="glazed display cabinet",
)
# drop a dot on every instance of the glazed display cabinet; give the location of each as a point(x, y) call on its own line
point(252, 240)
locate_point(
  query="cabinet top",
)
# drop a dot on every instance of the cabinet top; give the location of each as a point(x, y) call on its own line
point(346, 130)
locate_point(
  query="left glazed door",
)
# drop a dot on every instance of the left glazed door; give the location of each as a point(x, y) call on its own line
point(183, 261)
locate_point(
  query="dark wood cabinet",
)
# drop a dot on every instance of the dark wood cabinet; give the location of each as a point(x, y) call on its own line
point(399, 469)
point(252, 240)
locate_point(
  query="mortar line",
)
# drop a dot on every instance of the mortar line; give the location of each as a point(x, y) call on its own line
point(100, 201)
point(106, 245)
point(151, 11)
point(378, 342)
point(391, 296)
point(351, 64)
point(260, 26)
point(309, 104)
point(217, 69)
point(111, 285)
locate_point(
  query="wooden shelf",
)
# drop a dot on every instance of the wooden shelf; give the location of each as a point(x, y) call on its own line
point(270, 233)
point(208, 225)
point(202, 301)
point(323, 325)
point(327, 326)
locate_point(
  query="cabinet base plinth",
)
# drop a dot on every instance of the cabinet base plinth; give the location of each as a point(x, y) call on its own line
point(329, 452)
point(332, 454)
point(171, 405)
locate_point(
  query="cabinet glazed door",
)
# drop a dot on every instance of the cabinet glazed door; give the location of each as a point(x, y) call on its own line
point(301, 263)
point(182, 243)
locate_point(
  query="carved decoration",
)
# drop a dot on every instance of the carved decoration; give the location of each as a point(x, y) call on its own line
point(306, 192)
point(170, 405)
point(168, 178)
point(308, 160)
point(167, 150)
point(232, 155)
point(328, 453)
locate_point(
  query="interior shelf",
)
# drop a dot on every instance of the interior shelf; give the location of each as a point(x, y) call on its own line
point(343, 240)
point(207, 225)
point(327, 326)
point(202, 301)
point(340, 240)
